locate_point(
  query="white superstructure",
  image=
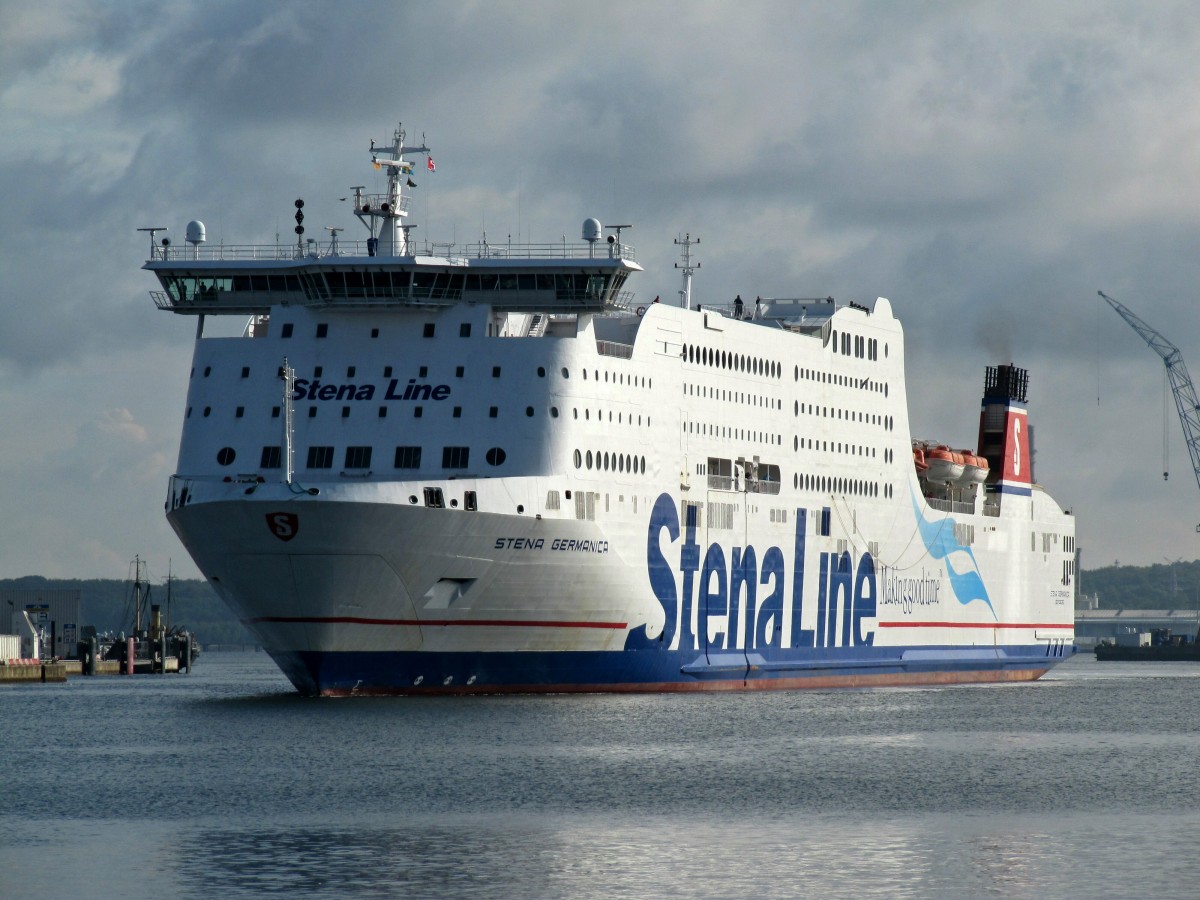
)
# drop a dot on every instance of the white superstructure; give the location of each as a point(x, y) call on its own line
point(492, 470)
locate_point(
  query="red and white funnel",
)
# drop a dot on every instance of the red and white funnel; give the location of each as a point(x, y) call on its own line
point(1004, 438)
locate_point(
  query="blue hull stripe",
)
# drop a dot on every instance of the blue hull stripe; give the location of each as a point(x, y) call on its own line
point(324, 673)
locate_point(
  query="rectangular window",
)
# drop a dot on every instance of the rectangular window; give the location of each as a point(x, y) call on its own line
point(286, 331)
point(322, 330)
point(358, 457)
point(459, 371)
point(458, 412)
point(272, 458)
point(495, 371)
point(464, 330)
point(245, 371)
point(493, 412)
point(241, 411)
point(320, 457)
point(428, 329)
point(470, 503)
point(408, 457)
point(455, 457)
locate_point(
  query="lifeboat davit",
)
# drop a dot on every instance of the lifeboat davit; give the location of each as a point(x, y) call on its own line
point(919, 459)
point(945, 465)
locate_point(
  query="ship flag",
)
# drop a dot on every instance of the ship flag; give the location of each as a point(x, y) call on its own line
point(431, 165)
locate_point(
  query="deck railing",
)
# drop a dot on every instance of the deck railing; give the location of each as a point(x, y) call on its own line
point(455, 254)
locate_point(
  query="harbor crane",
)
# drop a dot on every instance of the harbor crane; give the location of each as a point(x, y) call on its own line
point(1177, 373)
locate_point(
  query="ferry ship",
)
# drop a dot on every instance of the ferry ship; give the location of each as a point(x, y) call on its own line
point(428, 468)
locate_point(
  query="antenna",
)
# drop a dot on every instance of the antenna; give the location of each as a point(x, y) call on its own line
point(333, 244)
point(688, 267)
point(152, 232)
point(614, 240)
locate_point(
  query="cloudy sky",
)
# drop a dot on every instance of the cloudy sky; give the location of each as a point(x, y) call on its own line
point(987, 166)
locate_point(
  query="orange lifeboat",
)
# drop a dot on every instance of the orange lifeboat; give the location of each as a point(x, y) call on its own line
point(945, 465)
point(975, 468)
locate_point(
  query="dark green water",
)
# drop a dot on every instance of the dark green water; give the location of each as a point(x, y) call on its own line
point(224, 783)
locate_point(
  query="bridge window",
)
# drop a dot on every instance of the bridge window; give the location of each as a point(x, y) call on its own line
point(358, 457)
point(456, 457)
point(320, 457)
point(408, 458)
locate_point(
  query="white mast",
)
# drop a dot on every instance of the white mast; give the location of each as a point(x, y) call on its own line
point(289, 382)
point(685, 292)
point(391, 208)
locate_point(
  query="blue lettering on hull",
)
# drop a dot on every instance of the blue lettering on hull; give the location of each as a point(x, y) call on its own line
point(713, 601)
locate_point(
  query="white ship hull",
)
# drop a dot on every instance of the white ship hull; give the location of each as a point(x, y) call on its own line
point(485, 473)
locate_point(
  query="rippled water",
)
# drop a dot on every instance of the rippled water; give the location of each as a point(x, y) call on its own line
point(225, 783)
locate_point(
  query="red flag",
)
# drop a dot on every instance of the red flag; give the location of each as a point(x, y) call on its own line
point(431, 165)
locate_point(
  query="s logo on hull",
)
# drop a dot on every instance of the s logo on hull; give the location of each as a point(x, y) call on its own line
point(283, 525)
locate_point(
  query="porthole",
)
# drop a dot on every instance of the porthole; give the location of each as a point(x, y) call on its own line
point(529, 411)
point(578, 459)
point(554, 412)
point(225, 456)
point(565, 373)
point(541, 371)
point(589, 459)
point(495, 456)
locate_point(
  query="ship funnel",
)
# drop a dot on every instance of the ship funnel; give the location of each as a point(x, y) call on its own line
point(1004, 438)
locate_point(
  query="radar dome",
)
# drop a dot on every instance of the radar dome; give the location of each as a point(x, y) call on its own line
point(195, 232)
point(592, 230)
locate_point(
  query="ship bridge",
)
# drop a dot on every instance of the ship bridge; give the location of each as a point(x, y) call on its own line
point(249, 280)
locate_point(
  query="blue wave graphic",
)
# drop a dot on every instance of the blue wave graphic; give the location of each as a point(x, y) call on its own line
point(941, 543)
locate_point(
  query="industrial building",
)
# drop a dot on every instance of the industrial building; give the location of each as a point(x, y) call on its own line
point(52, 615)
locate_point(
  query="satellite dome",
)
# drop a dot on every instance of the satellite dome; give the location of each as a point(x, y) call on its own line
point(195, 232)
point(592, 230)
